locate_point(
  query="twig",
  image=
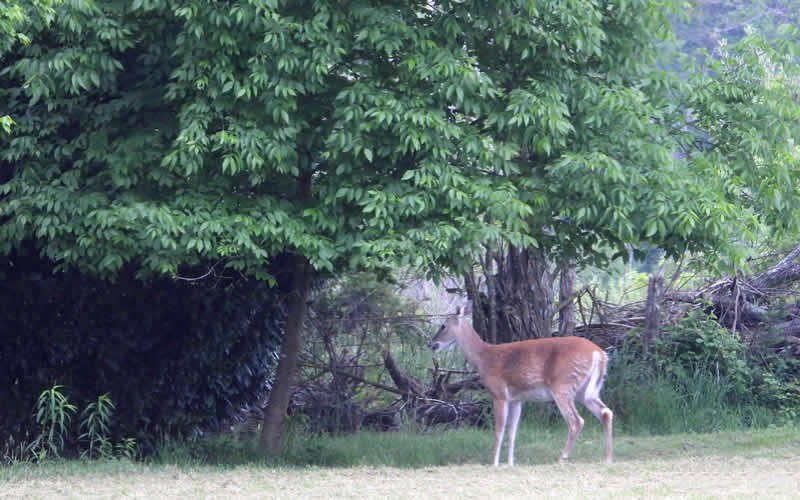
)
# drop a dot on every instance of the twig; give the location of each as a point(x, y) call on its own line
point(210, 271)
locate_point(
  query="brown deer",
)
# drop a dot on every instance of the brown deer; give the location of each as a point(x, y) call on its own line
point(560, 369)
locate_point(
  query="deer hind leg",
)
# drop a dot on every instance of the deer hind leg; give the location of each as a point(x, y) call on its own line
point(514, 411)
point(606, 417)
point(500, 418)
point(566, 404)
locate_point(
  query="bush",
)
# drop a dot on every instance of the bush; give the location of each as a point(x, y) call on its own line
point(175, 357)
point(700, 378)
point(698, 344)
point(776, 379)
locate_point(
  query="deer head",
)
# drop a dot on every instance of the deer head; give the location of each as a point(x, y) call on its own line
point(448, 333)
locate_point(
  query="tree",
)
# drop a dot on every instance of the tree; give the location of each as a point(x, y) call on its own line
point(743, 112)
point(611, 153)
point(590, 112)
point(171, 136)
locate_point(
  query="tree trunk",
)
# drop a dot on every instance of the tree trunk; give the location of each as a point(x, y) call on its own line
point(543, 305)
point(275, 412)
point(524, 290)
point(785, 271)
point(490, 290)
point(566, 300)
point(519, 301)
point(652, 322)
point(480, 320)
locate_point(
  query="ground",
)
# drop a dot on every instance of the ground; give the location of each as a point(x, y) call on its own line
point(749, 464)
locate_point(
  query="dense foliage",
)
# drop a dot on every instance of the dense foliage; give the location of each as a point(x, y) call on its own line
point(16, 15)
point(164, 133)
point(174, 357)
point(700, 378)
point(743, 134)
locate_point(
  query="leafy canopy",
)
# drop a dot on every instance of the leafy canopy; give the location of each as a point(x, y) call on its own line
point(173, 133)
point(168, 134)
point(743, 131)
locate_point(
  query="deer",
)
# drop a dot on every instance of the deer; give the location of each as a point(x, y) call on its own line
point(559, 369)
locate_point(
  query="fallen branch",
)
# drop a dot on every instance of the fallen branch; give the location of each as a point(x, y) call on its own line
point(406, 383)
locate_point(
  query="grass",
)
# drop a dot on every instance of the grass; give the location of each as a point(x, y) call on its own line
point(452, 464)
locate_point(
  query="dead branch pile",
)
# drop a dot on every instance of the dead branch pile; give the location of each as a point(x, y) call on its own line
point(750, 306)
point(433, 403)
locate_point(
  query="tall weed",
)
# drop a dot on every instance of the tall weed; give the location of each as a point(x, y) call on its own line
point(53, 415)
point(56, 436)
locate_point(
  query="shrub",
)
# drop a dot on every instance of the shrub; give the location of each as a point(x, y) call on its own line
point(700, 378)
point(698, 344)
point(776, 378)
point(175, 357)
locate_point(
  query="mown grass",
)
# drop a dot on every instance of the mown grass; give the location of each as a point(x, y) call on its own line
point(441, 464)
point(420, 450)
point(534, 447)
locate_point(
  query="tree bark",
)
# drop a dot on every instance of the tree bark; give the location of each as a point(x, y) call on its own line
point(785, 271)
point(275, 412)
point(488, 271)
point(407, 384)
point(652, 322)
point(566, 300)
point(480, 320)
point(541, 274)
point(523, 291)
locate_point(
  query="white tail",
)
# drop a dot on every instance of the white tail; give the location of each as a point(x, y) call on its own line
point(560, 369)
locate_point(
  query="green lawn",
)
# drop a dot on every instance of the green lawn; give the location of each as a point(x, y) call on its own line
point(446, 464)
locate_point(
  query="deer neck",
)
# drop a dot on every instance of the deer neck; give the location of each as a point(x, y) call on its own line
point(473, 346)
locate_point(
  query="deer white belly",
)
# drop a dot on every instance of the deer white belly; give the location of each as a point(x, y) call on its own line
point(537, 393)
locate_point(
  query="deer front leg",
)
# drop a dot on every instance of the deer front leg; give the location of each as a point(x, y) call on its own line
point(500, 416)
